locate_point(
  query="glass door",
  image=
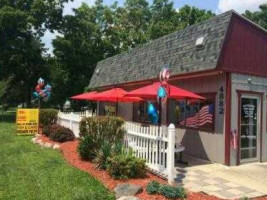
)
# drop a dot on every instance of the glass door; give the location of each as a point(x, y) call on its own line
point(249, 128)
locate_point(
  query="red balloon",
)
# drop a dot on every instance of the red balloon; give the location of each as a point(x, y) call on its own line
point(38, 88)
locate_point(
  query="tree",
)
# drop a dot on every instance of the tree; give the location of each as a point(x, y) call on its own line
point(22, 23)
point(188, 16)
point(76, 53)
point(163, 19)
point(259, 17)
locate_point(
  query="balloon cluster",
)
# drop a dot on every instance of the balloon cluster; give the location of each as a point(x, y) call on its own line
point(42, 91)
point(162, 95)
point(163, 90)
point(152, 113)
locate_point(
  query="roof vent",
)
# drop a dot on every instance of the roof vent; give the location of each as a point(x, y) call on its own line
point(200, 43)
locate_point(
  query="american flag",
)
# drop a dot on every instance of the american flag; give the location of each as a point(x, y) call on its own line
point(201, 118)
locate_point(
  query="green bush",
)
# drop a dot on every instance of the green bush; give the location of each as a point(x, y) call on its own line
point(102, 128)
point(125, 165)
point(172, 192)
point(48, 117)
point(153, 187)
point(5, 107)
point(86, 148)
point(95, 130)
point(46, 130)
point(61, 134)
point(102, 154)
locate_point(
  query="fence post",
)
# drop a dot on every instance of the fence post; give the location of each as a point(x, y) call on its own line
point(71, 119)
point(170, 153)
point(87, 113)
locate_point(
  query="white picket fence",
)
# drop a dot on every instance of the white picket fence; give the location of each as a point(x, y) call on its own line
point(151, 143)
point(72, 120)
point(147, 142)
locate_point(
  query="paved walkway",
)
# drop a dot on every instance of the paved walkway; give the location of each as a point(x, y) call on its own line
point(248, 180)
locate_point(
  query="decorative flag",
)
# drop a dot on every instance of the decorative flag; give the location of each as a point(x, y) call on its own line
point(201, 118)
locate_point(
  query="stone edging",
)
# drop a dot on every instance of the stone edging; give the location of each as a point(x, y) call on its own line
point(49, 145)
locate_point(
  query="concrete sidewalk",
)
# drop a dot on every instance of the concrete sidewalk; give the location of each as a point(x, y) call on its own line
point(248, 180)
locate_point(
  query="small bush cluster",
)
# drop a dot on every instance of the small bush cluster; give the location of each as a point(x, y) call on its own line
point(126, 165)
point(61, 134)
point(48, 117)
point(94, 131)
point(58, 133)
point(101, 142)
point(167, 191)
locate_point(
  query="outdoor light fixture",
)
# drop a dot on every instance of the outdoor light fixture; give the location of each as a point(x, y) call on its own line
point(249, 80)
point(97, 71)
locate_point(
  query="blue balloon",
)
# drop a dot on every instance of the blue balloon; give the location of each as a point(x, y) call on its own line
point(35, 94)
point(152, 113)
point(162, 92)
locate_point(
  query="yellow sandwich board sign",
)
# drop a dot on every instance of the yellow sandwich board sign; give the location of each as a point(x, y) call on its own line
point(27, 121)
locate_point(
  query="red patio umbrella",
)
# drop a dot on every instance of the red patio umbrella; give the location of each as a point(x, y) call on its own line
point(151, 91)
point(115, 95)
point(84, 96)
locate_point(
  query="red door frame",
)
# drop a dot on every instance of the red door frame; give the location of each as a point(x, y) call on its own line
point(227, 118)
point(240, 93)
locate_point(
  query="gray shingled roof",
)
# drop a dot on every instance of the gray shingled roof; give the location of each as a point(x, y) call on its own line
point(177, 50)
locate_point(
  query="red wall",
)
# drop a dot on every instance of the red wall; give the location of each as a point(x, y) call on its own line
point(245, 49)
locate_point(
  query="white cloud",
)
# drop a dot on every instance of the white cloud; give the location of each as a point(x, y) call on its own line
point(239, 5)
point(75, 4)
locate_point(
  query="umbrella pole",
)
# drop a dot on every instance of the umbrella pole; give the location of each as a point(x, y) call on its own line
point(160, 111)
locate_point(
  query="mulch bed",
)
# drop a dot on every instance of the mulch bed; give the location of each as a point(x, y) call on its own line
point(69, 152)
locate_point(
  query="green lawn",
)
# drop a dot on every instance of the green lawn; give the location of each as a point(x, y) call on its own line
point(30, 172)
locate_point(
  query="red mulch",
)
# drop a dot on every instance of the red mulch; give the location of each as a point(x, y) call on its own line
point(70, 154)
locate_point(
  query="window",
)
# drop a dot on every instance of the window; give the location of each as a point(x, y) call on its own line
point(196, 114)
point(107, 108)
point(140, 112)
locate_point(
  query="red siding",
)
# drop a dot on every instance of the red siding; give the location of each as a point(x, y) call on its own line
point(245, 49)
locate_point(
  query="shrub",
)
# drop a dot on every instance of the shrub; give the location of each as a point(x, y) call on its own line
point(61, 134)
point(102, 154)
point(86, 148)
point(48, 117)
point(95, 130)
point(102, 128)
point(5, 107)
point(125, 165)
point(46, 130)
point(106, 150)
point(153, 187)
point(172, 192)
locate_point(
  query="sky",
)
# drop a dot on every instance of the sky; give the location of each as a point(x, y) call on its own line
point(217, 6)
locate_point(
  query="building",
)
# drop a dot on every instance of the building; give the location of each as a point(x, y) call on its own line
point(223, 59)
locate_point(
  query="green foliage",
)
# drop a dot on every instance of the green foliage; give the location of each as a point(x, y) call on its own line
point(125, 165)
point(100, 136)
point(103, 128)
point(102, 154)
point(23, 23)
point(153, 187)
point(48, 116)
point(259, 17)
point(46, 130)
point(167, 191)
point(86, 147)
point(61, 134)
point(244, 198)
point(171, 192)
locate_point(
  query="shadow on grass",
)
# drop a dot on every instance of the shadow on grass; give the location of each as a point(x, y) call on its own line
point(7, 117)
